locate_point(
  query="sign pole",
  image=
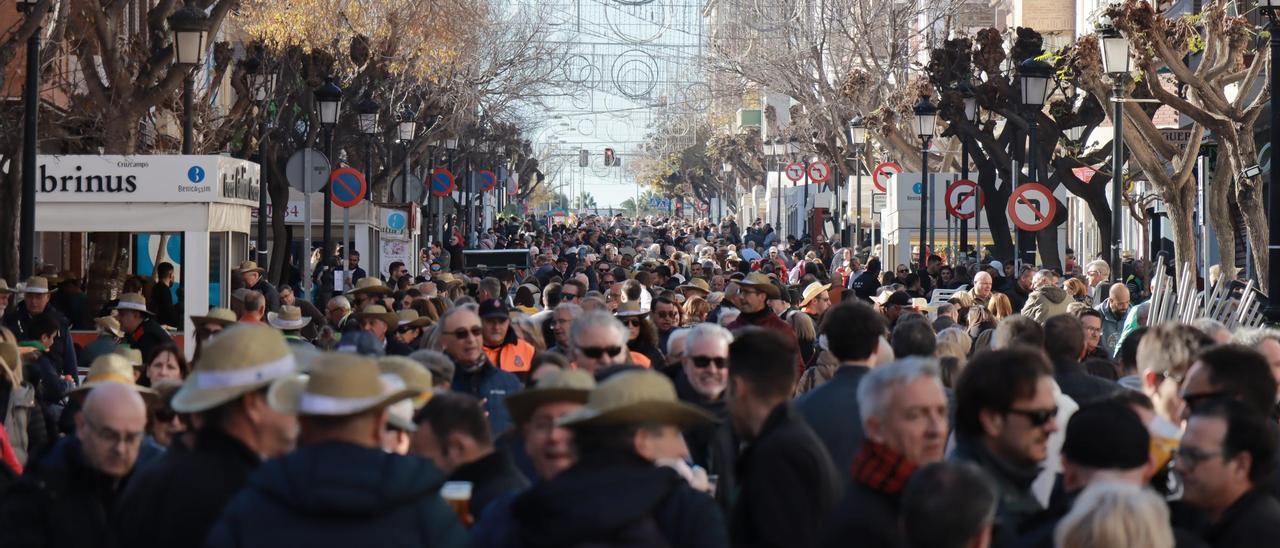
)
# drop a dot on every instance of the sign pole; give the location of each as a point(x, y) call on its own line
point(346, 246)
point(306, 230)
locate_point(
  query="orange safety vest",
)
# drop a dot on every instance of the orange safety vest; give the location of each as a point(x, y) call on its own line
point(514, 357)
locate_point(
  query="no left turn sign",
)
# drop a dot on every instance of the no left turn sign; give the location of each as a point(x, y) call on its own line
point(819, 172)
point(795, 171)
point(883, 172)
point(963, 200)
point(1032, 207)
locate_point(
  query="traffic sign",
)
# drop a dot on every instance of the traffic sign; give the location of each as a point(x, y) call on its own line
point(307, 182)
point(348, 187)
point(878, 202)
point(819, 172)
point(1032, 207)
point(795, 171)
point(442, 182)
point(963, 200)
point(487, 180)
point(883, 172)
point(415, 189)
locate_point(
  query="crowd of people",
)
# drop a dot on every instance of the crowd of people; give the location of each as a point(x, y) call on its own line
point(643, 382)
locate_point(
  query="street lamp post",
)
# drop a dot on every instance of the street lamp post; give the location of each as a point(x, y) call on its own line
point(1272, 9)
point(190, 28)
point(1034, 76)
point(30, 118)
point(858, 138)
point(261, 80)
point(926, 119)
point(1115, 62)
point(727, 169)
point(970, 116)
point(328, 105)
point(406, 130)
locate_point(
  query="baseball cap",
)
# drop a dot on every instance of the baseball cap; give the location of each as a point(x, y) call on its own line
point(997, 265)
point(1107, 435)
point(494, 308)
point(900, 298)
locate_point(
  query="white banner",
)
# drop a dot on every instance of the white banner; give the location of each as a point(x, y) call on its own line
point(146, 178)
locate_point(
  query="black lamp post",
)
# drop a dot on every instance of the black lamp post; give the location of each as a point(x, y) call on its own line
point(970, 116)
point(406, 130)
point(328, 105)
point(190, 29)
point(1272, 311)
point(30, 118)
point(1034, 76)
point(858, 138)
point(260, 81)
point(926, 119)
point(367, 116)
point(1115, 62)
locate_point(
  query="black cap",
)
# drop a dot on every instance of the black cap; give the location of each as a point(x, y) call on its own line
point(900, 298)
point(1107, 435)
point(494, 308)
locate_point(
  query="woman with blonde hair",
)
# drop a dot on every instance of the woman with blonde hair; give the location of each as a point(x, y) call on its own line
point(999, 306)
point(24, 420)
point(696, 310)
point(1077, 290)
point(1111, 514)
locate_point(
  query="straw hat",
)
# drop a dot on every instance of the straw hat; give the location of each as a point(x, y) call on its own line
point(339, 385)
point(448, 279)
point(4, 287)
point(112, 368)
point(812, 291)
point(241, 359)
point(696, 284)
point(221, 316)
point(566, 385)
point(110, 324)
point(630, 309)
point(414, 375)
point(290, 318)
point(399, 414)
point(633, 397)
point(761, 282)
point(133, 301)
point(921, 304)
point(36, 285)
point(130, 353)
point(379, 312)
point(369, 284)
point(250, 266)
point(411, 318)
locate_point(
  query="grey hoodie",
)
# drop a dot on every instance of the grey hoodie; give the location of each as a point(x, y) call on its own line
point(1046, 302)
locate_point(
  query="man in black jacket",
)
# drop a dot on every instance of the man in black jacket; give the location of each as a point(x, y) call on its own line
point(453, 434)
point(66, 498)
point(701, 381)
point(35, 302)
point(175, 501)
point(787, 484)
point(140, 328)
point(167, 310)
point(251, 275)
point(1064, 343)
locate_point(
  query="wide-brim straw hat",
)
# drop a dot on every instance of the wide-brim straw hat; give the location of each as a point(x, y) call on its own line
point(630, 309)
point(340, 385)
point(379, 312)
point(129, 353)
point(696, 284)
point(812, 291)
point(221, 316)
point(289, 318)
point(448, 279)
point(250, 266)
point(112, 368)
point(763, 283)
point(409, 317)
point(239, 360)
point(36, 285)
point(110, 324)
point(414, 375)
point(369, 284)
point(636, 397)
point(133, 301)
point(566, 385)
point(4, 287)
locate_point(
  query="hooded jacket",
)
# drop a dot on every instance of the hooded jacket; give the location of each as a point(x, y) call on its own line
point(1046, 302)
point(339, 494)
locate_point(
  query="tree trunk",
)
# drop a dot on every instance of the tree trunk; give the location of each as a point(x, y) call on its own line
point(1220, 217)
point(1181, 201)
point(1249, 200)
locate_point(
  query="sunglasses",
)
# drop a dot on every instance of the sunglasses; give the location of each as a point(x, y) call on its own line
point(1037, 417)
point(703, 362)
point(597, 352)
point(568, 296)
point(633, 322)
point(1194, 401)
point(165, 414)
point(463, 332)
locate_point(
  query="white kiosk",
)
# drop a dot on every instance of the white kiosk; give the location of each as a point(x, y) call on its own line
point(204, 202)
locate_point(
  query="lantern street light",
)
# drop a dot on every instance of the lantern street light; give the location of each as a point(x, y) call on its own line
point(926, 120)
point(1034, 78)
point(858, 138)
point(1115, 61)
point(30, 142)
point(1272, 10)
point(190, 32)
point(406, 130)
point(328, 98)
point(260, 80)
point(970, 100)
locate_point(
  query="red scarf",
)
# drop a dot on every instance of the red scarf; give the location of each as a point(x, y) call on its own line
point(881, 469)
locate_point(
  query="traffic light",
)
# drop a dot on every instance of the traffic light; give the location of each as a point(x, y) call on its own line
point(608, 157)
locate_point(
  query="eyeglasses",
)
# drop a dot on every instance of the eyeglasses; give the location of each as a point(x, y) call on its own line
point(633, 322)
point(462, 333)
point(597, 352)
point(669, 314)
point(703, 362)
point(1194, 401)
point(1037, 417)
point(114, 437)
point(1192, 457)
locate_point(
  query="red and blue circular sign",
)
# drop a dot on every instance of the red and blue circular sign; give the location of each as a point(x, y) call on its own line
point(347, 187)
point(488, 181)
point(442, 183)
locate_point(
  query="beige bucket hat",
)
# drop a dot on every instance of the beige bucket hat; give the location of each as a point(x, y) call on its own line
point(4, 287)
point(566, 385)
point(369, 284)
point(250, 266)
point(221, 316)
point(379, 312)
point(634, 397)
point(112, 368)
point(109, 323)
point(133, 301)
point(37, 285)
point(411, 318)
point(761, 282)
point(340, 385)
point(289, 318)
point(239, 360)
point(696, 284)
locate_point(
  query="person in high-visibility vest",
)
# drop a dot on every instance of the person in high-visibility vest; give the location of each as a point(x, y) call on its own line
point(501, 345)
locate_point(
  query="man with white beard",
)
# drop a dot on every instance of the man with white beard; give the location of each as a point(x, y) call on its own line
point(701, 381)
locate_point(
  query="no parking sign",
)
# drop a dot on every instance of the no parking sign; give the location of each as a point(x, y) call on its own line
point(442, 183)
point(347, 187)
point(487, 180)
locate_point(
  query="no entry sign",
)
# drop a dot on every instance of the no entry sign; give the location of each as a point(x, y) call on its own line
point(487, 180)
point(347, 186)
point(442, 183)
point(963, 201)
point(795, 171)
point(1032, 207)
point(883, 172)
point(819, 172)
